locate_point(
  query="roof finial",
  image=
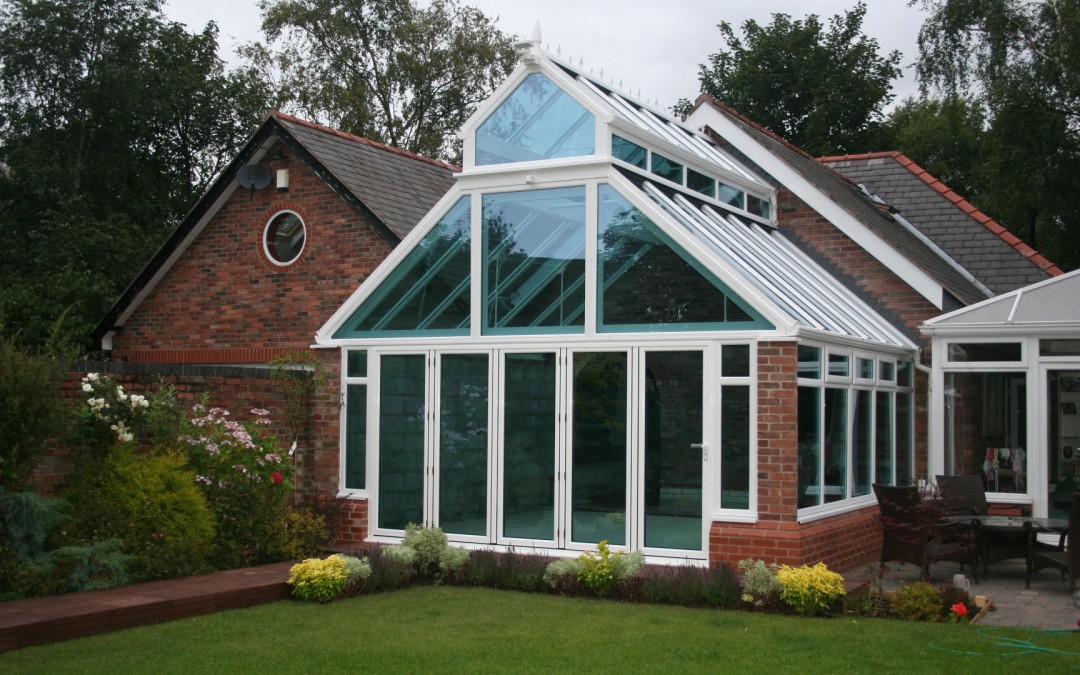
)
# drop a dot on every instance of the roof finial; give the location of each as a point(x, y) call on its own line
point(536, 36)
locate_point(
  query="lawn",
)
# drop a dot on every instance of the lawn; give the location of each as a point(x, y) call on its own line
point(446, 630)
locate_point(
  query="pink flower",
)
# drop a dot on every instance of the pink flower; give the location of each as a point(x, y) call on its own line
point(277, 477)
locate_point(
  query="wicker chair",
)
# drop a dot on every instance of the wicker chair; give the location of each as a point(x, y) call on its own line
point(1065, 556)
point(910, 532)
point(963, 495)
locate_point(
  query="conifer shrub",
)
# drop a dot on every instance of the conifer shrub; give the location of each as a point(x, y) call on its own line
point(917, 601)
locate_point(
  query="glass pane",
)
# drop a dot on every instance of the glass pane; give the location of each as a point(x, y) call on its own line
point(649, 283)
point(357, 364)
point(809, 362)
point(673, 466)
point(538, 121)
point(836, 444)
point(730, 195)
point(887, 371)
point(463, 444)
point(598, 492)
point(861, 443)
point(735, 360)
point(883, 450)
point(355, 436)
point(757, 206)
point(986, 428)
point(735, 447)
point(699, 182)
point(810, 492)
point(1059, 347)
point(904, 370)
point(629, 152)
point(529, 432)
point(905, 446)
point(984, 351)
point(401, 441)
point(534, 261)
point(667, 168)
point(839, 365)
point(428, 292)
point(866, 369)
point(1063, 439)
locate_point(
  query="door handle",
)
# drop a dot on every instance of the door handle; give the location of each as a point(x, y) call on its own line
point(704, 447)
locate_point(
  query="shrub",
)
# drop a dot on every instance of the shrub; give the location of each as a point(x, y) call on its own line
point(810, 590)
point(391, 567)
point(918, 601)
point(509, 570)
point(241, 470)
point(429, 553)
point(600, 571)
point(562, 575)
point(760, 585)
point(951, 596)
point(151, 504)
point(302, 534)
point(109, 414)
point(319, 580)
point(30, 390)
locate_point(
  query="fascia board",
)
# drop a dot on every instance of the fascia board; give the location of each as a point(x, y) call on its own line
point(911, 273)
point(784, 323)
point(324, 336)
point(994, 330)
point(817, 335)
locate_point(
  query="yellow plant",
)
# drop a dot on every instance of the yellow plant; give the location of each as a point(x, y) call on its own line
point(810, 590)
point(319, 580)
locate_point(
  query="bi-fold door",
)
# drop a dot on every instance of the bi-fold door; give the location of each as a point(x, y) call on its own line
point(554, 449)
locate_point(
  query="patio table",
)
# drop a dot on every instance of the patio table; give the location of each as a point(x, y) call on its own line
point(1007, 536)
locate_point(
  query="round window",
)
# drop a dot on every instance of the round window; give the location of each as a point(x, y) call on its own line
point(284, 237)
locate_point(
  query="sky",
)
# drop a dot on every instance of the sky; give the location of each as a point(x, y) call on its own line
point(654, 46)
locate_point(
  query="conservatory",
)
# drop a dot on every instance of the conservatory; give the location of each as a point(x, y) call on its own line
point(1008, 370)
point(599, 334)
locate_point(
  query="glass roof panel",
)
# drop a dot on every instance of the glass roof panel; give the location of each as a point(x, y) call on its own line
point(647, 281)
point(428, 292)
point(534, 261)
point(537, 121)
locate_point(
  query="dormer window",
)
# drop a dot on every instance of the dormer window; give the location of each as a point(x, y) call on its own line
point(538, 121)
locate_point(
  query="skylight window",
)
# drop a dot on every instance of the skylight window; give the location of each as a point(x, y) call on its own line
point(667, 168)
point(629, 152)
point(537, 121)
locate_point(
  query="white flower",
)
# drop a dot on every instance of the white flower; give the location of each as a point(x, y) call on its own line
point(92, 377)
point(87, 387)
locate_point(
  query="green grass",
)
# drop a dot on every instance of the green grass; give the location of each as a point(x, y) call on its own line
point(447, 630)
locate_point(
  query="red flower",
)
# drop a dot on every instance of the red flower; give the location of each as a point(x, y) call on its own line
point(960, 609)
point(278, 478)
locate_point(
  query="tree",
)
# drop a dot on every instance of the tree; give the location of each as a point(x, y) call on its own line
point(944, 136)
point(112, 122)
point(823, 90)
point(385, 69)
point(1020, 60)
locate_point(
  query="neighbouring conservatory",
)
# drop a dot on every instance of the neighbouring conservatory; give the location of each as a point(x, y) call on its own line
point(1008, 370)
point(599, 334)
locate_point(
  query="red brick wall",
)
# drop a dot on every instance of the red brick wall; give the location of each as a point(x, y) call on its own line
point(842, 542)
point(777, 427)
point(802, 223)
point(225, 297)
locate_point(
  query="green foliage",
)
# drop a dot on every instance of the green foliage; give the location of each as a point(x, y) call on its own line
point(316, 580)
point(562, 575)
point(687, 586)
point(303, 533)
point(810, 590)
point(246, 479)
point(431, 556)
point(397, 72)
point(298, 374)
point(100, 564)
point(943, 136)
point(109, 415)
point(511, 571)
point(823, 89)
point(150, 503)
point(760, 585)
point(32, 407)
point(918, 601)
point(1020, 62)
point(600, 571)
point(114, 120)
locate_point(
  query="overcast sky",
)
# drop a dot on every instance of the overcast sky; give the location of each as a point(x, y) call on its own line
point(651, 45)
